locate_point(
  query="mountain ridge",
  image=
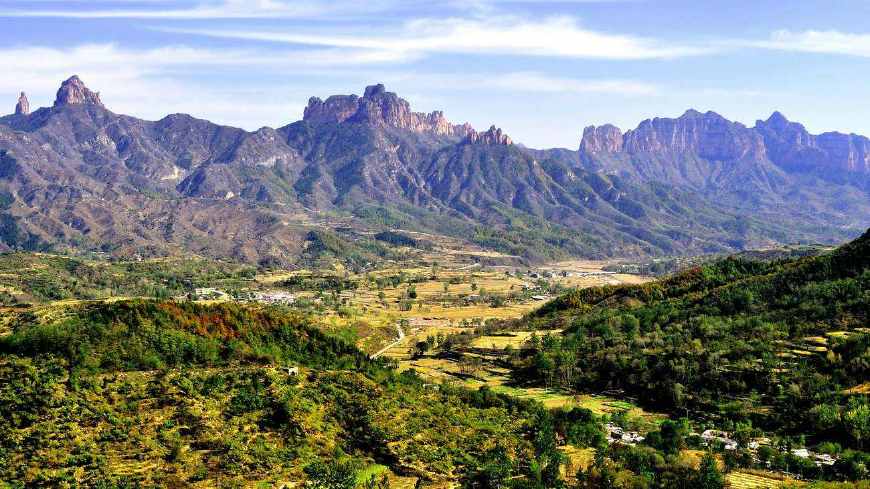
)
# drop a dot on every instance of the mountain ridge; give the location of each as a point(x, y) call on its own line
point(77, 176)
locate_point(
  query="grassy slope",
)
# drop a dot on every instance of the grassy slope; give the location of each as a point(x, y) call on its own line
point(84, 403)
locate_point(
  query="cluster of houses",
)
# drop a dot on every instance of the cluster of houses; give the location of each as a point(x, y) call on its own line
point(275, 297)
point(713, 437)
point(721, 437)
point(267, 297)
point(616, 434)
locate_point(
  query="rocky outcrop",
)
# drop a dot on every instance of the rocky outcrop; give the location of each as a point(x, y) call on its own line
point(602, 139)
point(492, 136)
point(773, 143)
point(793, 148)
point(23, 105)
point(708, 135)
point(380, 107)
point(74, 92)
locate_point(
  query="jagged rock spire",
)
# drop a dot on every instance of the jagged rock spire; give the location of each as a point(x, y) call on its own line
point(379, 107)
point(492, 136)
point(73, 91)
point(23, 105)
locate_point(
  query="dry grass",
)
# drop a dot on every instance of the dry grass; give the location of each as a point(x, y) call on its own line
point(576, 458)
point(859, 389)
point(515, 339)
point(741, 479)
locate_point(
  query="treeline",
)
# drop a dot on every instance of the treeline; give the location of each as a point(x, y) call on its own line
point(37, 278)
point(144, 334)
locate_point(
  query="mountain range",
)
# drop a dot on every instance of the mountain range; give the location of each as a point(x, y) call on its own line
point(78, 177)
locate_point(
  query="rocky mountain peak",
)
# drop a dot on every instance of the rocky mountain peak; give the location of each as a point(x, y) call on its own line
point(74, 92)
point(379, 107)
point(23, 105)
point(777, 127)
point(606, 138)
point(373, 91)
point(777, 119)
point(492, 136)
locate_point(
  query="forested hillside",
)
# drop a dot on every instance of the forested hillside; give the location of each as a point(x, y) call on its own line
point(779, 346)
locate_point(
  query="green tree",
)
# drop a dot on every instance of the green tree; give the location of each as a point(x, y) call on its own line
point(709, 476)
point(333, 475)
point(856, 419)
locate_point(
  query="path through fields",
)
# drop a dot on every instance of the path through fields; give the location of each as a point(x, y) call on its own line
point(395, 343)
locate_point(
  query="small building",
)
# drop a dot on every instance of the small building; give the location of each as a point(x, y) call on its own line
point(632, 438)
point(275, 297)
point(824, 459)
point(800, 452)
point(203, 293)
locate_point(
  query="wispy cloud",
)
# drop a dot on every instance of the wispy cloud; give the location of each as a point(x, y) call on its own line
point(150, 83)
point(536, 82)
point(553, 37)
point(811, 41)
point(525, 82)
point(215, 9)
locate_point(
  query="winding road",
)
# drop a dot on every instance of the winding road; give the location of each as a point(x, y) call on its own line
point(395, 343)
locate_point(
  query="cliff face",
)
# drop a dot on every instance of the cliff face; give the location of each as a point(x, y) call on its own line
point(791, 146)
point(788, 145)
point(709, 135)
point(602, 139)
point(380, 107)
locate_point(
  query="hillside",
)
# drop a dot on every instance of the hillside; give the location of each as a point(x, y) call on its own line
point(84, 404)
point(781, 345)
point(78, 177)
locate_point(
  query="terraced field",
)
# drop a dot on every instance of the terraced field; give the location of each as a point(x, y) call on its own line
point(758, 480)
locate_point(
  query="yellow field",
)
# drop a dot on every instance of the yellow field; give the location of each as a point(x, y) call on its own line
point(516, 339)
point(576, 459)
point(550, 399)
point(758, 480)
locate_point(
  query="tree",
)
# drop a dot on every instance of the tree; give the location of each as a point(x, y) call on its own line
point(334, 475)
point(493, 472)
point(856, 419)
point(709, 476)
point(376, 482)
point(420, 349)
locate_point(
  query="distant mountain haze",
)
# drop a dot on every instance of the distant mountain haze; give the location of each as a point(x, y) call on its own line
point(78, 177)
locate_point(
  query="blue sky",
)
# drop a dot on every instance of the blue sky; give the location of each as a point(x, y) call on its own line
point(541, 70)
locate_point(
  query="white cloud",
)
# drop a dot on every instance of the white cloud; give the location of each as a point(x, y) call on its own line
point(536, 82)
point(553, 37)
point(151, 83)
point(524, 82)
point(214, 9)
point(831, 42)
